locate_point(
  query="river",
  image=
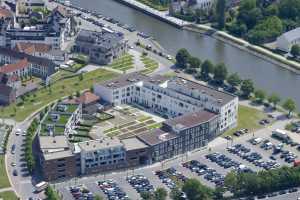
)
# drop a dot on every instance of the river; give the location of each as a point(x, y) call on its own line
point(265, 75)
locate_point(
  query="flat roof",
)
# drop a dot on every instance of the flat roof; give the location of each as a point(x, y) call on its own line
point(222, 97)
point(133, 143)
point(58, 154)
point(191, 119)
point(156, 136)
point(102, 143)
point(124, 80)
point(53, 142)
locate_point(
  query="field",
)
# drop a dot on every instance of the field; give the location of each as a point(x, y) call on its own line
point(248, 118)
point(4, 182)
point(62, 88)
point(150, 65)
point(123, 63)
point(8, 195)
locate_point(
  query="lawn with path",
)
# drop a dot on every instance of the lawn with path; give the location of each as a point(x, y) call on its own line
point(123, 63)
point(150, 64)
point(8, 195)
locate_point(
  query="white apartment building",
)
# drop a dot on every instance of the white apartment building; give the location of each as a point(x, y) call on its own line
point(171, 98)
point(101, 154)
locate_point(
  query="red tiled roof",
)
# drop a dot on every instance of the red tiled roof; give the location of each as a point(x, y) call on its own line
point(85, 98)
point(30, 48)
point(5, 13)
point(22, 64)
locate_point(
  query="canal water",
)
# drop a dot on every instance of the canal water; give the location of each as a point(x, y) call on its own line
point(265, 75)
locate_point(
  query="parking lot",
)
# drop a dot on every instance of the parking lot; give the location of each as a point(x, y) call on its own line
point(209, 165)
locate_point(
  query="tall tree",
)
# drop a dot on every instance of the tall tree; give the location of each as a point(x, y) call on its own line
point(221, 13)
point(247, 87)
point(289, 105)
point(234, 80)
point(182, 58)
point(175, 194)
point(295, 50)
point(195, 190)
point(160, 194)
point(260, 95)
point(206, 68)
point(220, 73)
point(274, 99)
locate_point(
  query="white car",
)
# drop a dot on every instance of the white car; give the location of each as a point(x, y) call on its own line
point(169, 57)
point(24, 133)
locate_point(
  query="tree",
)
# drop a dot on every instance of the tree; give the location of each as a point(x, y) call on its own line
point(206, 68)
point(97, 197)
point(182, 58)
point(247, 87)
point(260, 95)
point(77, 94)
point(176, 194)
point(147, 195)
point(80, 77)
point(289, 105)
point(274, 99)
point(221, 15)
point(195, 190)
point(295, 50)
point(220, 73)
point(234, 80)
point(160, 194)
point(195, 62)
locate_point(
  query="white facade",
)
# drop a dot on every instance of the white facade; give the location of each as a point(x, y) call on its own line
point(171, 99)
point(288, 39)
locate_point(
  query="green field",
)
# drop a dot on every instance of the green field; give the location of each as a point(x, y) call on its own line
point(150, 65)
point(62, 88)
point(8, 195)
point(123, 63)
point(4, 182)
point(248, 118)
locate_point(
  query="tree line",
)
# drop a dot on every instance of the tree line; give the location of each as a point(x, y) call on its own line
point(29, 157)
point(218, 75)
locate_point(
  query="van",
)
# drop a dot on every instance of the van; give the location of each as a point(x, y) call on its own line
point(256, 141)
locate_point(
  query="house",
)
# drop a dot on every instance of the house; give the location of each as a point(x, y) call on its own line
point(101, 47)
point(89, 101)
point(38, 66)
point(20, 69)
point(288, 39)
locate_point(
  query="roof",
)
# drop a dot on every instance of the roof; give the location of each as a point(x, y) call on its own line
point(292, 34)
point(221, 96)
point(4, 13)
point(58, 154)
point(156, 136)
point(124, 80)
point(191, 119)
point(22, 64)
point(133, 144)
point(103, 143)
point(31, 48)
point(30, 58)
point(61, 10)
point(53, 142)
point(85, 98)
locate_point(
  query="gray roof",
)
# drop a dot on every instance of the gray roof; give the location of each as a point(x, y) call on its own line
point(222, 97)
point(124, 80)
point(102, 143)
point(101, 39)
point(156, 136)
point(191, 119)
point(5, 90)
point(56, 142)
point(133, 143)
point(292, 34)
point(58, 154)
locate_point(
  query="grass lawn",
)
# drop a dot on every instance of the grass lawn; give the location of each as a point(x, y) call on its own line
point(4, 182)
point(248, 118)
point(8, 195)
point(57, 90)
point(123, 63)
point(150, 64)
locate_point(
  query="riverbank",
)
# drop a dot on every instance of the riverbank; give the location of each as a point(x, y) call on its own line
point(219, 35)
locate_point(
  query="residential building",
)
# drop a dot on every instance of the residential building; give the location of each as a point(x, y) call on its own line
point(170, 97)
point(181, 134)
point(89, 101)
point(20, 69)
point(101, 155)
point(37, 66)
point(288, 39)
point(101, 47)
